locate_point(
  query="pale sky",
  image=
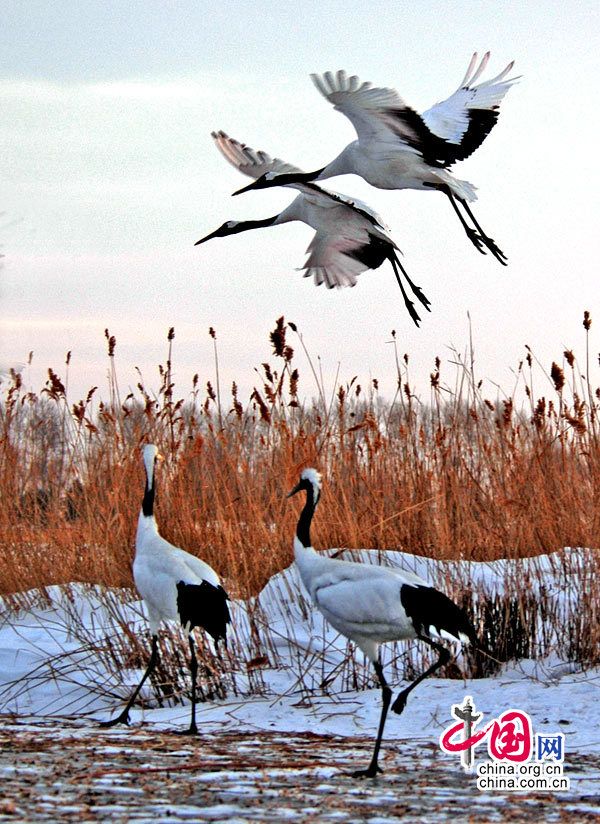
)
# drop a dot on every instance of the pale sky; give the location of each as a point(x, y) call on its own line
point(110, 176)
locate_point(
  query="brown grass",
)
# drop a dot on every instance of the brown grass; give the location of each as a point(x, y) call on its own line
point(460, 476)
point(457, 477)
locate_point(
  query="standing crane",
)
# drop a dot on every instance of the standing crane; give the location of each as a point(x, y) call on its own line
point(371, 605)
point(175, 586)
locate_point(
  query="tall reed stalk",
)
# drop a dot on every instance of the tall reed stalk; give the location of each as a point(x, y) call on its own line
point(458, 475)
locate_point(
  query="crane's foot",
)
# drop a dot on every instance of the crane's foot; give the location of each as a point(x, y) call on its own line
point(371, 772)
point(120, 719)
point(495, 250)
point(400, 703)
point(192, 730)
point(477, 240)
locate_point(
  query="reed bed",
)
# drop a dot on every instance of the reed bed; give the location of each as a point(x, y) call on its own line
point(458, 476)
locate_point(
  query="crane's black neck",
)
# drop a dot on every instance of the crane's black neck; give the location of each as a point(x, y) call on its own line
point(306, 516)
point(295, 177)
point(148, 500)
point(245, 225)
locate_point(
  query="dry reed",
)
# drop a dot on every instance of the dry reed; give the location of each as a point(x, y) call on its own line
point(461, 476)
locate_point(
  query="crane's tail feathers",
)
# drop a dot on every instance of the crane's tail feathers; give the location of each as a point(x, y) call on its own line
point(463, 189)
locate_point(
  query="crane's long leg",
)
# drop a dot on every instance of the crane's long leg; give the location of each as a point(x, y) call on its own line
point(407, 302)
point(386, 697)
point(123, 718)
point(489, 242)
point(445, 656)
point(417, 291)
point(478, 241)
point(193, 730)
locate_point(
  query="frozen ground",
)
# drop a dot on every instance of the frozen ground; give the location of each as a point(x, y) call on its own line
point(284, 754)
point(72, 771)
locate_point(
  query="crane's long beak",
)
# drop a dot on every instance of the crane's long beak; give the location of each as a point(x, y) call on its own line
point(259, 183)
point(294, 490)
point(208, 237)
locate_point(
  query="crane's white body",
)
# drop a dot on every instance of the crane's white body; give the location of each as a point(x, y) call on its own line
point(382, 164)
point(175, 586)
point(159, 566)
point(157, 569)
point(360, 601)
point(399, 149)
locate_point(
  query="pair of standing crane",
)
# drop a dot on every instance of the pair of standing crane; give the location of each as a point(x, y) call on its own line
point(396, 148)
point(368, 604)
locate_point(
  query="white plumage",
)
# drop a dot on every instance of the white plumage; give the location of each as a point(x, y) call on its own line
point(372, 605)
point(349, 239)
point(398, 148)
point(175, 586)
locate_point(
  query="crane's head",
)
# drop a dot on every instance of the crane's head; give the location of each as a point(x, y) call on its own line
point(233, 227)
point(263, 182)
point(230, 227)
point(310, 480)
point(280, 178)
point(151, 456)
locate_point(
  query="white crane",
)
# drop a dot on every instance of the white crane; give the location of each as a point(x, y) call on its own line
point(175, 586)
point(349, 237)
point(373, 604)
point(398, 148)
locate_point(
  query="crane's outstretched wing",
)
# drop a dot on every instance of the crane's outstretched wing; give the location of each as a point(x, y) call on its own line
point(466, 118)
point(330, 260)
point(250, 161)
point(371, 110)
point(447, 132)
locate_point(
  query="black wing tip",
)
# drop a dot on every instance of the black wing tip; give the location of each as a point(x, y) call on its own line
point(204, 605)
point(427, 607)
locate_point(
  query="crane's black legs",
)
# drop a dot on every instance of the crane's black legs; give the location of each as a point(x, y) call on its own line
point(193, 729)
point(477, 236)
point(386, 697)
point(123, 718)
point(445, 656)
point(489, 242)
point(399, 703)
point(399, 268)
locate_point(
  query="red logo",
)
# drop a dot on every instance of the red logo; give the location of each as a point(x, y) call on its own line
point(509, 737)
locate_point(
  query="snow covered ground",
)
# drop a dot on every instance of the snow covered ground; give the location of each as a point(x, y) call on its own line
point(300, 686)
